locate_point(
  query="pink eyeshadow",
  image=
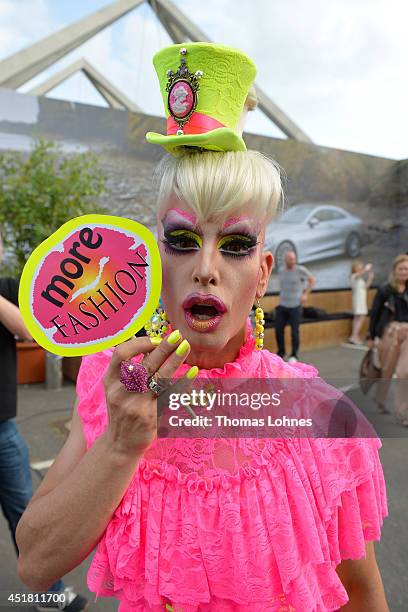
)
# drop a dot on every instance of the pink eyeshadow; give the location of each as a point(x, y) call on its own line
point(190, 217)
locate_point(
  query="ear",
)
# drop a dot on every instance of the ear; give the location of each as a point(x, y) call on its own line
point(265, 270)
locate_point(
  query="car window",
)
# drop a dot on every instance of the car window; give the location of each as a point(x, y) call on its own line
point(296, 214)
point(336, 214)
point(328, 214)
point(323, 215)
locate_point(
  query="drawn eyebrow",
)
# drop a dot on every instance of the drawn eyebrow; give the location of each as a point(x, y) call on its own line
point(173, 225)
point(245, 225)
point(239, 229)
point(174, 221)
point(234, 220)
point(183, 213)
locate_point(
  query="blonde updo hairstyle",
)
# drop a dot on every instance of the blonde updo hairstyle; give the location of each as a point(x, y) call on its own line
point(215, 183)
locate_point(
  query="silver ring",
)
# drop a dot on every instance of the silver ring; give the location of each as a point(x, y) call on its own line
point(155, 386)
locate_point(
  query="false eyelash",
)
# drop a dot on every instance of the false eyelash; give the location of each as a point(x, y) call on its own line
point(247, 243)
point(249, 253)
point(174, 243)
point(172, 250)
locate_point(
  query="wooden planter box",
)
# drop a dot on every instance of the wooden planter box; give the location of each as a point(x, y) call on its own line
point(30, 363)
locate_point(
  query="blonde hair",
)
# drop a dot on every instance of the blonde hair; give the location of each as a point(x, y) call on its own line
point(356, 264)
point(214, 183)
point(391, 279)
point(251, 101)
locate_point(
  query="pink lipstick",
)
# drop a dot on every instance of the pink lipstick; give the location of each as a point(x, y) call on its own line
point(203, 312)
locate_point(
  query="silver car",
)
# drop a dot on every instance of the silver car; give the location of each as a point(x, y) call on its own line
point(314, 231)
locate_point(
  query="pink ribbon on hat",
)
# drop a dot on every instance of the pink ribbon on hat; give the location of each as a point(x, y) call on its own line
point(197, 124)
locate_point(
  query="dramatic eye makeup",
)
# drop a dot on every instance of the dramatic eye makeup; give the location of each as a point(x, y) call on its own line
point(182, 240)
point(186, 241)
point(237, 245)
point(240, 237)
point(180, 232)
point(181, 235)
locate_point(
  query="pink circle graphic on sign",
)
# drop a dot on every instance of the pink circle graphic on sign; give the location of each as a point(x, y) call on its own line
point(114, 270)
point(181, 99)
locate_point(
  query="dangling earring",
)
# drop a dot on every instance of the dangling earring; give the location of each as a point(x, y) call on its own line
point(158, 324)
point(259, 326)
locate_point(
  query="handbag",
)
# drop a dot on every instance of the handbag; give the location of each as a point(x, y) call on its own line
point(369, 372)
point(311, 312)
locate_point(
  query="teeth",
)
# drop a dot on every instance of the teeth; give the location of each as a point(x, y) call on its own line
point(203, 317)
point(203, 312)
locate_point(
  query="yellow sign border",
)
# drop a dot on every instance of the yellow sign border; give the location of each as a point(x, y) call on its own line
point(24, 295)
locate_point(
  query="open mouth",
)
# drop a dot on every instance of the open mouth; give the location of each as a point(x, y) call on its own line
point(203, 312)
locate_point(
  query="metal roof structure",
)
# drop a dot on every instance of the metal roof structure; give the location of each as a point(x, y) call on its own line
point(113, 96)
point(24, 65)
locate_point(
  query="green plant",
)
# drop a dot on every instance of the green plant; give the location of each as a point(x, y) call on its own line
point(41, 191)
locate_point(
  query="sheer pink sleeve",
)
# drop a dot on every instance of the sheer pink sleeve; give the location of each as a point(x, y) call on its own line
point(91, 394)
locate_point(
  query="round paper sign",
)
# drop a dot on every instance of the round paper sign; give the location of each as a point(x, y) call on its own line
point(91, 285)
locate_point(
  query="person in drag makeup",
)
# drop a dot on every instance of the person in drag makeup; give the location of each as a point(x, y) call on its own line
point(225, 524)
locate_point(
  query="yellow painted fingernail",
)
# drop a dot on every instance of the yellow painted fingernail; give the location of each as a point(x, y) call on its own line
point(174, 337)
point(156, 341)
point(182, 348)
point(192, 373)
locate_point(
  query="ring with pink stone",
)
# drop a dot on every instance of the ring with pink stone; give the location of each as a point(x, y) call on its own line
point(134, 377)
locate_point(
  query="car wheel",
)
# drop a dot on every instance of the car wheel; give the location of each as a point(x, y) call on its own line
point(281, 249)
point(353, 245)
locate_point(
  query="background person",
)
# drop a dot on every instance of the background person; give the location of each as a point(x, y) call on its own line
point(296, 282)
point(361, 279)
point(389, 331)
point(16, 487)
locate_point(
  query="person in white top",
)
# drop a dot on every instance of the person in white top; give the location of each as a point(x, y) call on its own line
point(361, 279)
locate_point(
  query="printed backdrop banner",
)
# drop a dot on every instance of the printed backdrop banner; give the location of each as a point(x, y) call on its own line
point(340, 205)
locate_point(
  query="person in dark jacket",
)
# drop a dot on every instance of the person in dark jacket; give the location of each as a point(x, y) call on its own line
point(16, 487)
point(389, 332)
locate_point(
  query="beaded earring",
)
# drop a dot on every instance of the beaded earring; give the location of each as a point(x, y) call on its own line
point(259, 326)
point(158, 324)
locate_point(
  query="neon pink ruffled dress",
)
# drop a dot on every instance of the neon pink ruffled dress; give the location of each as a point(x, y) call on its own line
point(239, 524)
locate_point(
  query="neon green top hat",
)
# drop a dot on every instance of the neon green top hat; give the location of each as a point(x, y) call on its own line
point(204, 88)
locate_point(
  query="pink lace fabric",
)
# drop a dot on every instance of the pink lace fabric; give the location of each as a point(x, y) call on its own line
point(235, 524)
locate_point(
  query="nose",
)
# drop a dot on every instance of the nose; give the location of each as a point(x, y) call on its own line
point(205, 270)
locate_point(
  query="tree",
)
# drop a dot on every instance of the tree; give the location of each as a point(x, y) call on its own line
point(40, 191)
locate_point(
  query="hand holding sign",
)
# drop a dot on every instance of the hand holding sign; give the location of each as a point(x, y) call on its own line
point(91, 285)
point(133, 416)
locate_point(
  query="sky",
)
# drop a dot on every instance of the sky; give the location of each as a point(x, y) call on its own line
point(338, 68)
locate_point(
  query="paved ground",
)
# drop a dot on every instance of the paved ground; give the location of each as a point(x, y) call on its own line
point(43, 415)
